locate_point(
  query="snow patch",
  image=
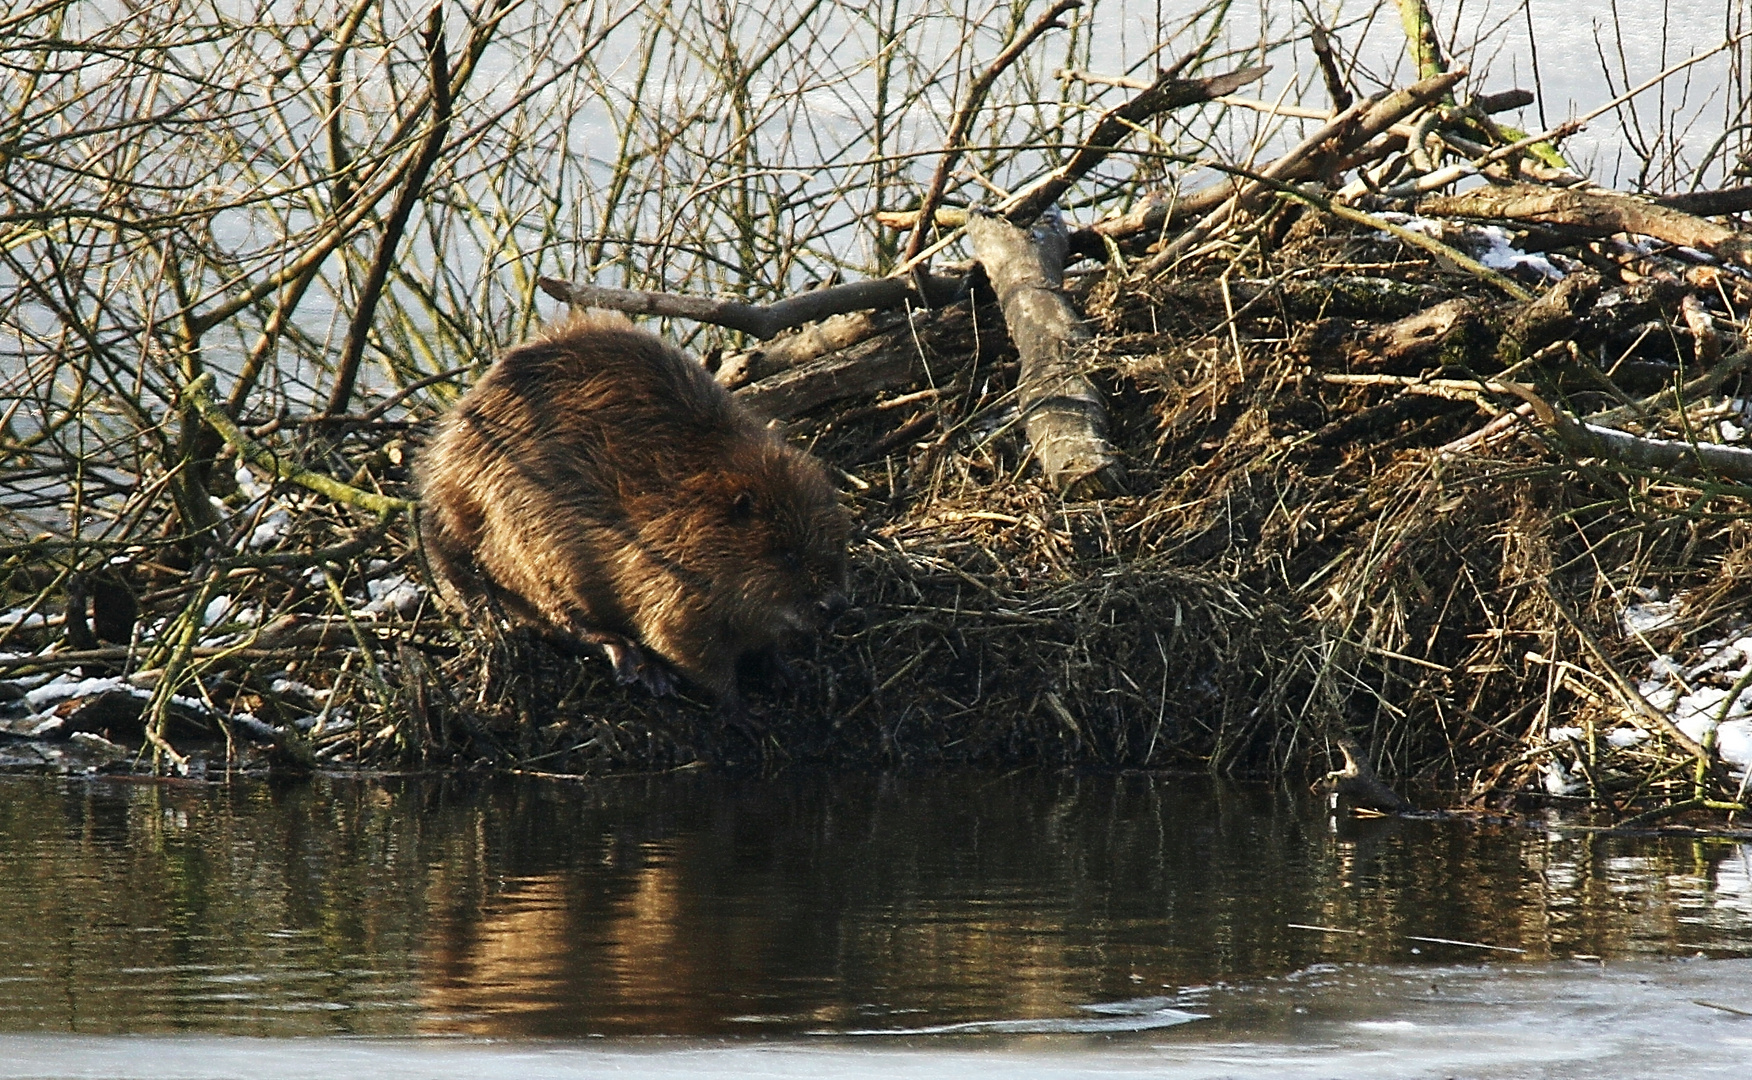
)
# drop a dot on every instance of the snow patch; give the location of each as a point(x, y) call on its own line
point(394, 594)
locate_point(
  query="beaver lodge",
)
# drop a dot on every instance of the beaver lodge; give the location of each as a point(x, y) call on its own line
point(1387, 444)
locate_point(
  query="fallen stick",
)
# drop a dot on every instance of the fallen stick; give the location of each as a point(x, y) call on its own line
point(1600, 212)
point(1705, 336)
point(1594, 440)
point(1410, 339)
point(761, 320)
point(1062, 412)
point(1245, 194)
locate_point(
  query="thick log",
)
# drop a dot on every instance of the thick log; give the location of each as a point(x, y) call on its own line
point(1062, 411)
point(1350, 296)
point(1735, 200)
point(811, 342)
point(1549, 318)
point(1602, 212)
point(932, 347)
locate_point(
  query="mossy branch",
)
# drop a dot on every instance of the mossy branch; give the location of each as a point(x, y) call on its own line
point(199, 394)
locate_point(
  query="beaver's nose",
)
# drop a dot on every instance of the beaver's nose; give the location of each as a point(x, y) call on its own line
point(832, 606)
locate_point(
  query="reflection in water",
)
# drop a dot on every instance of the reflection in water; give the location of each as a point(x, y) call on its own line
point(697, 904)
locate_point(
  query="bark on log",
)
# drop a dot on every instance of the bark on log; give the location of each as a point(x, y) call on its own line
point(1668, 455)
point(811, 342)
point(761, 320)
point(1062, 411)
point(1350, 296)
point(1600, 212)
point(1548, 318)
point(889, 359)
point(1737, 200)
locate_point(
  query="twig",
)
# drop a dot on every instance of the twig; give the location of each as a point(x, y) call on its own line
point(199, 393)
point(1362, 121)
point(1707, 383)
point(953, 144)
point(413, 188)
point(1116, 124)
point(414, 387)
point(1626, 689)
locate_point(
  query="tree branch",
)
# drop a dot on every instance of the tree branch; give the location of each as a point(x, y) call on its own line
point(199, 394)
point(954, 142)
point(761, 320)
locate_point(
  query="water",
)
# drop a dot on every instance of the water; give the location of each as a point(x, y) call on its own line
point(1026, 924)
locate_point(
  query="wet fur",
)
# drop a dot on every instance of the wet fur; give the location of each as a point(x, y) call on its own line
point(600, 483)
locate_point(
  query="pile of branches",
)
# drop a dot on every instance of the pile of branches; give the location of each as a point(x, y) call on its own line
point(1323, 468)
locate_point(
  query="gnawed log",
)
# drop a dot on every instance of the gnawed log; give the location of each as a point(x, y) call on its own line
point(932, 347)
point(1602, 212)
point(1706, 338)
point(1407, 343)
point(1549, 318)
point(1062, 411)
point(811, 342)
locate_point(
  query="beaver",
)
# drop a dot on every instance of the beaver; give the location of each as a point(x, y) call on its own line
point(599, 483)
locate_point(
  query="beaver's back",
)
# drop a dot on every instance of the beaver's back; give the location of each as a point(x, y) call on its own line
point(597, 479)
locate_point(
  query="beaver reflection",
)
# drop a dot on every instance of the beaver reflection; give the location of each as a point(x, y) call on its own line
point(599, 483)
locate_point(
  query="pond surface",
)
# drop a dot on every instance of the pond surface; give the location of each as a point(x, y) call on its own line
point(1024, 924)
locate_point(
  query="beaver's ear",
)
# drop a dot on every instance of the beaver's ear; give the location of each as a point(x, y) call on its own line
point(742, 506)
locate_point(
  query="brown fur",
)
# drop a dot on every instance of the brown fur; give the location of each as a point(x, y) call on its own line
point(598, 482)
